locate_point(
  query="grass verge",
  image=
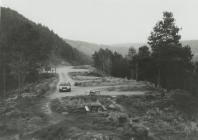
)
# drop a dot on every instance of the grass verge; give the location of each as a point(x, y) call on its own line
point(20, 116)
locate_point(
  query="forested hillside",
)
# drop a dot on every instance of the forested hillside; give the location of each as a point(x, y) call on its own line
point(90, 48)
point(26, 47)
point(166, 62)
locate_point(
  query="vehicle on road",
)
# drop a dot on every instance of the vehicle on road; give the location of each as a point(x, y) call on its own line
point(94, 92)
point(65, 87)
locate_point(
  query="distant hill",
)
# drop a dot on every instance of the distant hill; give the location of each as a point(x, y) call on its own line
point(86, 47)
point(90, 48)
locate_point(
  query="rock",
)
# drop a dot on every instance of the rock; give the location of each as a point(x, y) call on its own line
point(112, 106)
point(136, 120)
point(15, 113)
point(16, 137)
point(140, 131)
point(120, 129)
point(87, 108)
point(65, 113)
point(118, 117)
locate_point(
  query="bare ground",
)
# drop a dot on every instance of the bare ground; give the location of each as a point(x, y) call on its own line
point(134, 110)
point(97, 83)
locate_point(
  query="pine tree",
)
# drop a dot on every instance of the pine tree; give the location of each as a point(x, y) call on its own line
point(171, 60)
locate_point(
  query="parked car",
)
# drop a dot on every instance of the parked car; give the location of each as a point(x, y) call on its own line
point(65, 87)
point(94, 92)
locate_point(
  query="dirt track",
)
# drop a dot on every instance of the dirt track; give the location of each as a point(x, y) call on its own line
point(63, 73)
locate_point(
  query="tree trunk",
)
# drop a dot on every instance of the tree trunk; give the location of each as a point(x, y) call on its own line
point(136, 72)
point(4, 78)
point(3, 59)
point(19, 85)
point(4, 71)
point(20, 75)
point(159, 78)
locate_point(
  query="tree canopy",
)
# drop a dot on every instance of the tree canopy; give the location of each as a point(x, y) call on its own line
point(26, 46)
point(165, 62)
point(111, 63)
point(171, 60)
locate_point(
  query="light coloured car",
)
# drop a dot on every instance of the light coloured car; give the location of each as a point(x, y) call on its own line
point(65, 87)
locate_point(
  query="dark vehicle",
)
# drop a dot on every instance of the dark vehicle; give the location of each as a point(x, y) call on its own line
point(64, 87)
point(94, 92)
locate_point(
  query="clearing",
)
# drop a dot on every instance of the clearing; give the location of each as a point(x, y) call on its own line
point(125, 110)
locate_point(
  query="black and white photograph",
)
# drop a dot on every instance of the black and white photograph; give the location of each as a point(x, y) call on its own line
point(98, 70)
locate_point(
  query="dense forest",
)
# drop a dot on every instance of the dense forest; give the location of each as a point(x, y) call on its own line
point(26, 47)
point(165, 61)
point(111, 63)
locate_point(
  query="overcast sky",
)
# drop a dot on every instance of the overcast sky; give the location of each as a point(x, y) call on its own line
point(108, 21)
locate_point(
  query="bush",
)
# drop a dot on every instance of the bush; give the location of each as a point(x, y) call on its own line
point(46, 75)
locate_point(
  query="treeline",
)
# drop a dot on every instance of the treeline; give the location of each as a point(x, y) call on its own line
point(111, 63)
point(26, 47)
point(165, 62)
